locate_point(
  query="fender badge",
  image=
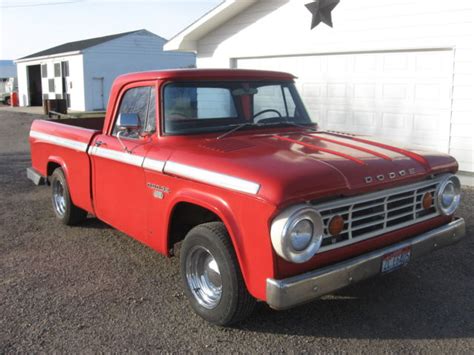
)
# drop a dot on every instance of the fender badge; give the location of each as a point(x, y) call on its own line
point(158, 191)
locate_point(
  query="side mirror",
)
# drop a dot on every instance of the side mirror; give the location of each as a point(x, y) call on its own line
point(128, 122)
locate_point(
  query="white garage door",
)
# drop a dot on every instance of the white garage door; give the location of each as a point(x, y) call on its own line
point(404, 96)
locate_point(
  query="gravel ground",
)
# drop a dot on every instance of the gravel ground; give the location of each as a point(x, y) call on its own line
point(91, 288)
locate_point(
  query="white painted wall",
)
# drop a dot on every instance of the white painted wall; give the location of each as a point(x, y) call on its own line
point(95, 68)
point(23, 84)
point(131, 53)
point(75, 80)
point(277, 28)
point(400, 96)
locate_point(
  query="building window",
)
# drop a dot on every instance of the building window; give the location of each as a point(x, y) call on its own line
point(45, 96)
point(68, 100)
point(59, 96)
point(65, 67)
point(51, 85)
point(57, 70)
point(44, 70)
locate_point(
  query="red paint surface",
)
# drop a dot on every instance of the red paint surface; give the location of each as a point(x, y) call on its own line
point(292, 165)
point(339, 142)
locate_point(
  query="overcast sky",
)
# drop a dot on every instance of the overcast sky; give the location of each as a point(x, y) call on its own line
point(29, 26)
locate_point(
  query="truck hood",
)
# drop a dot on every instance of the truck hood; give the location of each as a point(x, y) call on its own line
point(294, 165)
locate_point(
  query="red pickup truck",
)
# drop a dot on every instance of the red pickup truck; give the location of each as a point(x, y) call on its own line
point(267, 206)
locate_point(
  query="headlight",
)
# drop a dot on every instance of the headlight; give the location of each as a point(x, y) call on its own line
point(448, 195)
point(301, 234)
point(297, 233)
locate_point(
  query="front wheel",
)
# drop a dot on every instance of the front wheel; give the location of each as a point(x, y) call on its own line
point(211, 275)
point(63, 207)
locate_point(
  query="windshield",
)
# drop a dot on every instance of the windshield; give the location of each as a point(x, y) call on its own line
point(200, 107)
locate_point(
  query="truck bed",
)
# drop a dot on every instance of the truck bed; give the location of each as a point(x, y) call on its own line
point(95, 123)
point(64, 143)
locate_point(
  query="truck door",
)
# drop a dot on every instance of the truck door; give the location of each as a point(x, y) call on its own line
point(119, 187)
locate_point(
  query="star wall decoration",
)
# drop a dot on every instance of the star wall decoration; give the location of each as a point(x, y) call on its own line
point(321, 10)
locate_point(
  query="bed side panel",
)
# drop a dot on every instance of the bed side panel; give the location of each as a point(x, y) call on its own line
point(65, 145)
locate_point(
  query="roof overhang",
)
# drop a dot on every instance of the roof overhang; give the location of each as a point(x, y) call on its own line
point(33, 59)
point(187, 39)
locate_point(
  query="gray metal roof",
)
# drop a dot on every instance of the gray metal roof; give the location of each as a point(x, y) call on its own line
point(79, 45)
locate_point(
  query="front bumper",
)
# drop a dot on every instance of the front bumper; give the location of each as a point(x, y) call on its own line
point(295, 290)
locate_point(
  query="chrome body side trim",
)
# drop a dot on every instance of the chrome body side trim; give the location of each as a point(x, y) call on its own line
point(154, 164)
point(186, 171)
point(123, 157)
point(63, 142)
point(211, 177)
point(292, 291)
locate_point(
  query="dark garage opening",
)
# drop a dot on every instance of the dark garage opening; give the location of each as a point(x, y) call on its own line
point(35, 91)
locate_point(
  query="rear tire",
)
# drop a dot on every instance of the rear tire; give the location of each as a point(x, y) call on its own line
point(8, 101)
point(68, 213)
point(211, 276)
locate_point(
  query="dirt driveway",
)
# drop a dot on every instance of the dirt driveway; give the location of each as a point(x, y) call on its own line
point(91, 288)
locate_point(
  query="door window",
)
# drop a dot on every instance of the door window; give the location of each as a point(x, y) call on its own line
point(140, 101)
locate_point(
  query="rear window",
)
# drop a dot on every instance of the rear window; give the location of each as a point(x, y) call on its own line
point(207, 103)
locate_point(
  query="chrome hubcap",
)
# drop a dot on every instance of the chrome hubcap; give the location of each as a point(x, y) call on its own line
point(59, 202)
point(204, 277)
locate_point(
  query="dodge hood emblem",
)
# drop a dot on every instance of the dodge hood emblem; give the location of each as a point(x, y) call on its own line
point(391, 175)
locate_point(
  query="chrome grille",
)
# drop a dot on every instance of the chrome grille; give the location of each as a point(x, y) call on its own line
point(373, 214)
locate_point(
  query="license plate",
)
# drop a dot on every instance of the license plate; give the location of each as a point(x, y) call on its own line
point(396, 259)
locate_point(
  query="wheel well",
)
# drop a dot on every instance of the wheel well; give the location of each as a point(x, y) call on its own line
point(186, 216)
point(50, 169)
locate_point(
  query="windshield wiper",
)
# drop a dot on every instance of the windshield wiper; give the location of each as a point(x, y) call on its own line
point(256, 124)
point(237, 127)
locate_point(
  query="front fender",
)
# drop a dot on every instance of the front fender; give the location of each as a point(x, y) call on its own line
point(246, 220)
point(214, 204)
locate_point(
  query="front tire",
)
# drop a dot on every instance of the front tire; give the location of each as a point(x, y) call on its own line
point(211, 276)
point(68, 213)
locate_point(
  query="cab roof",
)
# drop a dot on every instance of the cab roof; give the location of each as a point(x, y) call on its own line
point(205, 74)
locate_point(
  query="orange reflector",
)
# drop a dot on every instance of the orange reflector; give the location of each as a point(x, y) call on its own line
point(427, 200)
point(336, 225)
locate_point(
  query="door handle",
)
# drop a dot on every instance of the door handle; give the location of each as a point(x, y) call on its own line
point(99, 143)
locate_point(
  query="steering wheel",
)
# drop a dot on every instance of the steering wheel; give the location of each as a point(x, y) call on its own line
point(266, 111)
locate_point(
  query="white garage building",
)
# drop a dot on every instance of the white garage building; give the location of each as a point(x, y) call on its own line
point(397, 69)
point(82, 72)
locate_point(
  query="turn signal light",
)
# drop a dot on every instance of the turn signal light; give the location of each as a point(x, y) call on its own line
point(336, 225)
point(427, 200)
